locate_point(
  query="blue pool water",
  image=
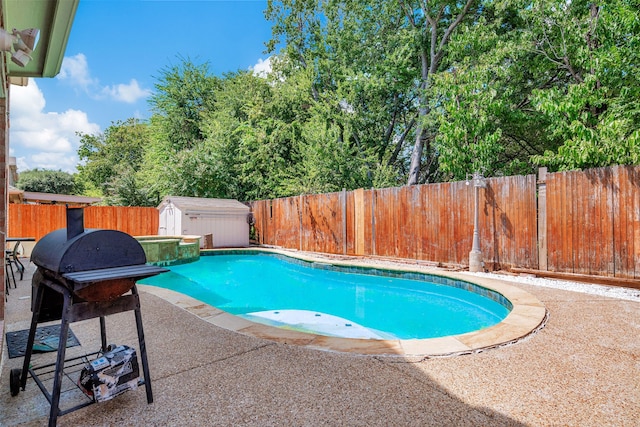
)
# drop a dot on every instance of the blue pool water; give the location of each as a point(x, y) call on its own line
point(272, 290)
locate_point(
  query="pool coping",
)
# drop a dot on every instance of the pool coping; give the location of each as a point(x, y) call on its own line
point(527, 316)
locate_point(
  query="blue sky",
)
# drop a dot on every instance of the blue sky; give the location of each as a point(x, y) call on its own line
point(116, 51)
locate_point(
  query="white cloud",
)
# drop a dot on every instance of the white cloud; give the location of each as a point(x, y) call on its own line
point(42, 139)
point(25, 99)
point(130, 93)
point(53, 161)
point(262, 68)
point(75, 72)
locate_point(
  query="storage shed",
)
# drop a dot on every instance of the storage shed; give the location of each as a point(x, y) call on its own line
point(225, 219)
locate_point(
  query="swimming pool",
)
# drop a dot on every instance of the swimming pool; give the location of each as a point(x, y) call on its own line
point(351, 302)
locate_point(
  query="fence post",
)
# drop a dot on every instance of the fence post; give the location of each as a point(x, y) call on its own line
point(542, 219)
point(373, 221)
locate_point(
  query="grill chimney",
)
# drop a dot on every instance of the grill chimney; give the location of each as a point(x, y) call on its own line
point(75, 222)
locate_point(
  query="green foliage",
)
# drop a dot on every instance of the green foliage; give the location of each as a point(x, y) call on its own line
point(183, 93)
point(126, 190)
point(363, 66)
point(329, 163)
point(48, 181)
point(479, 104)
point(596, 117)
point(111, 161)
point(560, 88)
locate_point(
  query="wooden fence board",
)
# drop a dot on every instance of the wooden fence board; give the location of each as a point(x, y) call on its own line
point(551, 223)
point(438, 233)
point(384, 230)
point(366, 221)
point(431, 235)
point(351, 223)
point(448, 244)
point(322, 222)
point(370, 225)
point(460, 221)
point(387, 225)
point(581, 239)
point(260, 211)
point(285, 218)
point(625, 264)
point(608, 224)
point(420, 219)
point(515, 242)
point(566, 253)
point(634, 179)
point(597, 200)
point(404, 219)
point(581, 209)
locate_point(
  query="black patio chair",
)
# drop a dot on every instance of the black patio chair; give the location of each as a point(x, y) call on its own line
point(8, 269)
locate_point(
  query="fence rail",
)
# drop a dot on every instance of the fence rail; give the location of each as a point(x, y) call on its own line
point(585, 222)
point(38, 220)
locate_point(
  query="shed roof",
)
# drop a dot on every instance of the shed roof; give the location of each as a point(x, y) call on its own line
point(50, 198)
point(203, 204)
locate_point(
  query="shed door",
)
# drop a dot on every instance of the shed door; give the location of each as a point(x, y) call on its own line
point(171, 215)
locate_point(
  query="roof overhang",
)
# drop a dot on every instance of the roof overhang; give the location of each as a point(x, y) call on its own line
point(54, 19)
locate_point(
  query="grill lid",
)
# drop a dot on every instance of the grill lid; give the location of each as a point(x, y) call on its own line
point(90, 250)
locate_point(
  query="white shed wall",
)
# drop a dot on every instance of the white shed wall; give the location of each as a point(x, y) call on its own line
point(225, 219)
point(228, 230)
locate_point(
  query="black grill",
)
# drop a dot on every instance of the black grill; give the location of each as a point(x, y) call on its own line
point(84, 274)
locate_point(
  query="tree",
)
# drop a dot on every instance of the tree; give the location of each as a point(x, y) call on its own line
point(48, 181)
point(362, 64)
point(550, 83)
point(220, 161)
point(595, 115)
point(434, 23)
point(112, 160)
point(480, 112)
point(184, 92)
point(125, 190)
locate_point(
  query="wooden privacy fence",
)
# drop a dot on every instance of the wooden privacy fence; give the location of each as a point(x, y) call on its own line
point(38, 220)
point(431, 222)
point(585, 222)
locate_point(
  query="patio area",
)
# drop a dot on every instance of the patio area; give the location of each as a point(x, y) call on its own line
point(582, 368)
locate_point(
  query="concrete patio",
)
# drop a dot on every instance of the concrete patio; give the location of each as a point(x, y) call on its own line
point(581, 369)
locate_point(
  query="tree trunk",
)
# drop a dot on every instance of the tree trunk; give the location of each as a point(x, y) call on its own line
point(418, 148)
point(430, 62)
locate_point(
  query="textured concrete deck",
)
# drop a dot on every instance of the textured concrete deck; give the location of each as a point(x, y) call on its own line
point(581, 369)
